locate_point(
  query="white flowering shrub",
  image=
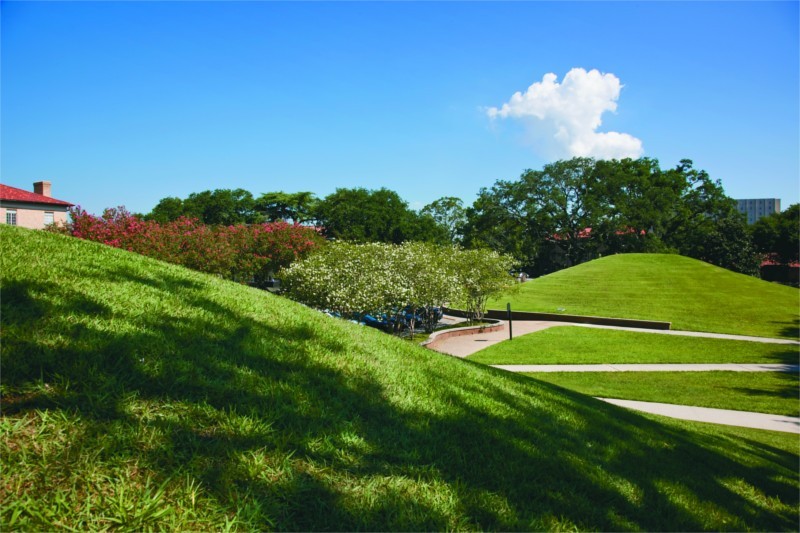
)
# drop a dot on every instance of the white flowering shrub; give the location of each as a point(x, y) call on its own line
point(408, 281)
point(482, 274)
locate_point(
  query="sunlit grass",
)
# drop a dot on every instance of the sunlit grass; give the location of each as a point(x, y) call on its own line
point(691, 294)
point(578, 345)
point(760, 392)
point(139, 395)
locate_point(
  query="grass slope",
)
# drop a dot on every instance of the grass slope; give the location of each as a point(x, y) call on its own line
point(691, 294)
point(138, 395)
point(566, 345)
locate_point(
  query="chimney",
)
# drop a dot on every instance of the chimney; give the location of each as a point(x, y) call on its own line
point(42, 187)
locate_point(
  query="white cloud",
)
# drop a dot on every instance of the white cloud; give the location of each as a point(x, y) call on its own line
point(563, 118)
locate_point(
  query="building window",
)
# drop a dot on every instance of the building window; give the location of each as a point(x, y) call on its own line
point(11, 217)
point(48, 217)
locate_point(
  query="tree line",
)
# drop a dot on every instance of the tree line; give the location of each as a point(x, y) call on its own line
point(356, 215)
point(569, 212)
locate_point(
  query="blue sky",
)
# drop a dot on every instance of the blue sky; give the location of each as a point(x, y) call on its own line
point(127, 103)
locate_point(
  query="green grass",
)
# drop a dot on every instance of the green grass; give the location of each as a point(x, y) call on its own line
point(563, 345)
point(691, 294)
point(139, 395)
point(761, 392)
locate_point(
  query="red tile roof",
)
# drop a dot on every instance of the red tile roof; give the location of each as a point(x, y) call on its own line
point(12, 194)
point(772, 261)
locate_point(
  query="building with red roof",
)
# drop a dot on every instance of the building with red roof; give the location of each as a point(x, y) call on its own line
point(33, 210)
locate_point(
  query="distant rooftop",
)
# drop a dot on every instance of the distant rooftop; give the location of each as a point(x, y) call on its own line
point(12, 194)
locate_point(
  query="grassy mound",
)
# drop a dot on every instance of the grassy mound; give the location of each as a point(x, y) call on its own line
point(691, 294)
point(140, 395)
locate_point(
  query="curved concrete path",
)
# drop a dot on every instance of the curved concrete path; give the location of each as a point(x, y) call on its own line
point(675, 367)
point(746, 419)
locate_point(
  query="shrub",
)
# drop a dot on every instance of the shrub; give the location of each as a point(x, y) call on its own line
point(244, 253)
point(406, 282)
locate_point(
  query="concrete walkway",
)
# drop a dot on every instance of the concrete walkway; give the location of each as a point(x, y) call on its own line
point(730, 367)
point(746, 419)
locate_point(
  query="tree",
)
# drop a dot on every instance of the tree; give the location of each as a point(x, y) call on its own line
point(573, 211)
point(221, 206)
point(348, 279)
point(498, 220)
point(705, 224)
point(544, 219)
point(778, 235)
point(564, 204)
point(402, 281)
point(449, 213)
point(728, 244)
point(361, 215)
point(482, 274)
point(297, 207)
point(641, 200)
point(167, 210)
point(430, 273)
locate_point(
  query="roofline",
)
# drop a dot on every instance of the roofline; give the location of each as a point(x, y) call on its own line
point(56, 203)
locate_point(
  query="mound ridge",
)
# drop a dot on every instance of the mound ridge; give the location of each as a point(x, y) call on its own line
point(691, 294)
point(142, 395)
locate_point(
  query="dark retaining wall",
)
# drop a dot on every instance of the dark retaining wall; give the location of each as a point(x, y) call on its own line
point(579, 319)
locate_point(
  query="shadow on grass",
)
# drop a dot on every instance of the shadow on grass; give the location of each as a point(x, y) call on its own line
point(789, 388)
point(790, 329)
point(334, 443)
point(789, 356)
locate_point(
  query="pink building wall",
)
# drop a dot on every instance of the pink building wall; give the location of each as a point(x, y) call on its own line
point(33, 217)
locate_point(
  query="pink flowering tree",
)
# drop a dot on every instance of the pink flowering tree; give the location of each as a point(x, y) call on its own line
point(244, 253)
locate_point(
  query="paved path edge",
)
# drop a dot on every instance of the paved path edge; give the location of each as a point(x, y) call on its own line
point(727, 417)
point(674, 367)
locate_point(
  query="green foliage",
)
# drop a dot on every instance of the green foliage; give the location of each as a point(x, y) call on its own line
point(482, 274)
point(298, 207)
point(139, 395)
point(726, 243)
point(577, 210)
point(349, 279)
point(778, 235)
point(361, 215)
point(218, 207)
point(167, 210)
point(642, 204)
point(692, 295)
point(449, 213)
point(390, 280)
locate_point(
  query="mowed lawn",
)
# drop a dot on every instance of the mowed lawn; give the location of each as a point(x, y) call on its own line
point(142, 396)
point(690, 294)
point(760, 392)
point(562, 345)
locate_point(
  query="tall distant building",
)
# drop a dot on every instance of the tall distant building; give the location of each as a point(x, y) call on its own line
point(761, 207)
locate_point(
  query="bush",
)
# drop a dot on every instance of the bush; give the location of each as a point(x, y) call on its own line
point(243, 253)
point(405, 283)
